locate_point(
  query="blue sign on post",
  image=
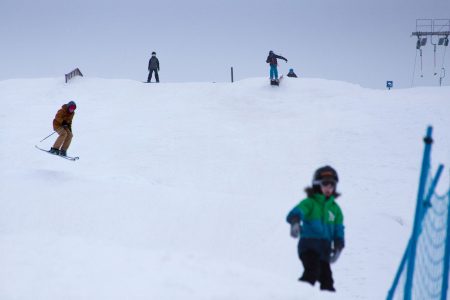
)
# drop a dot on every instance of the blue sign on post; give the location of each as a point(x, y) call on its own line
point(389, 84)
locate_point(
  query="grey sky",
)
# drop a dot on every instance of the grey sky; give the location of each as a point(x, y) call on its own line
point(364, 42)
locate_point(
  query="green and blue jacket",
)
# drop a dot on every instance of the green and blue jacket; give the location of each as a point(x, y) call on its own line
point(321, 224)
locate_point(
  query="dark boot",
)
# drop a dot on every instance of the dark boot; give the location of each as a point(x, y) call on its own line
point(326, 277)
point(308, 280)
point(63, 152)
point(54, 151)
point(327, 288)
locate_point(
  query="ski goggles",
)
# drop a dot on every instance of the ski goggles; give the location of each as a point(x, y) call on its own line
point(325, 182)
point(72, 108)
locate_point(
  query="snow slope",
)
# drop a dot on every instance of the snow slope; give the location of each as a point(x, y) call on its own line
point(181, 190)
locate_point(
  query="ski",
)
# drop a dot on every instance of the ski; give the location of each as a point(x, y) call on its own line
point(62, 156)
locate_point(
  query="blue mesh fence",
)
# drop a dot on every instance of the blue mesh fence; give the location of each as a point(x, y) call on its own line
point(423, 271)
point(431, 248)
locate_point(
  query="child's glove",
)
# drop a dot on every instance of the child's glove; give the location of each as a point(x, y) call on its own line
point(338, 245)
point(334, 256)
point(295, 230)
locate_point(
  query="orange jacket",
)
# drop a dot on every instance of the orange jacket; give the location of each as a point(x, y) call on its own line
point(63, 117)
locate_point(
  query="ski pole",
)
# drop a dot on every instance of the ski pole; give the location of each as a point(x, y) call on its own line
point(47, 136)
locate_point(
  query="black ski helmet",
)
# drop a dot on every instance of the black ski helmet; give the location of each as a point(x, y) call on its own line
point(323, 173)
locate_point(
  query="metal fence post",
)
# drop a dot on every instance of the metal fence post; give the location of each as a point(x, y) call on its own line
point(418, 215)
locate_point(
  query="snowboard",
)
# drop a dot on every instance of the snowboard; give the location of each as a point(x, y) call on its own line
point(63, 156)
point(276, 81)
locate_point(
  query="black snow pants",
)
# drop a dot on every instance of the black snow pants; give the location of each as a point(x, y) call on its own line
point(150, 75)
point(316, 269)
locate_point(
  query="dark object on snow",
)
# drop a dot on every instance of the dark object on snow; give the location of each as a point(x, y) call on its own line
point(153, 66)
point(291, 73)
point(54, 151)
point(73, 73)
point(276, 81)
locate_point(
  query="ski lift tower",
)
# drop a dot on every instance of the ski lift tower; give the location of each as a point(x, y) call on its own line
point(438, 31)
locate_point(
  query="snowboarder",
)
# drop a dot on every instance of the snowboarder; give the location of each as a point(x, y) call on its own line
point(318, 220)
point(291, 73)
point(272, 61)
point(62, 124)
point(153, 66)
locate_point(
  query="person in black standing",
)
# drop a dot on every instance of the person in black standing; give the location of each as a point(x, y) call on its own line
point(153, 66)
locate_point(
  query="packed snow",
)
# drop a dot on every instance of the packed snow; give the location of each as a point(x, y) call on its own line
point(182, 189)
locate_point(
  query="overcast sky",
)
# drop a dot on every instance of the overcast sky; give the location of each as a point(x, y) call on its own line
point(359, 41)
